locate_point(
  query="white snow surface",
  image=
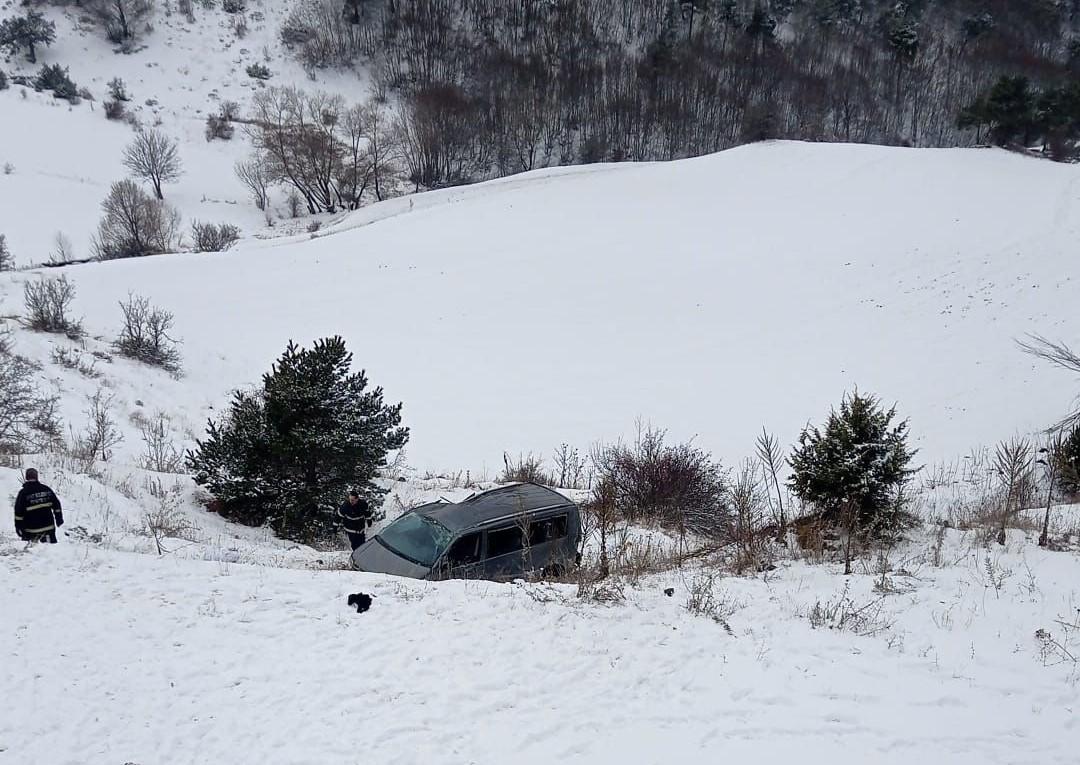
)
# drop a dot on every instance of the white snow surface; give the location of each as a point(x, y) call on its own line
point(112, 657)
point(709, 296)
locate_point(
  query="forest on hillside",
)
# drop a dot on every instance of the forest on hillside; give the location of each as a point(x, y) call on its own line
point(501, 86)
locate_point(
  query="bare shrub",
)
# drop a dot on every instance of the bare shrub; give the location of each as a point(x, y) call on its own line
point(161, 454)
point(569, 472)
point(118, 90)
point(704, 598)
point(678, 487)
point(135, 224)
point(48, 306)
point(218, 127)
point(28, 418)
point(843, 613)
point(1013, 462)
point(1061, 645)
point(153, 157)
point(114, 110)
point(256, 176)
point(214, 237)
point(167, 519)
point(187, 8)
point(772, 461)
point(63, 250)
point(748, 507)
point(100, 436)
point(239, 25)
point(321, 34)
point(145, 334)
point(528, 468)
point(258, 71)
point(74, 360)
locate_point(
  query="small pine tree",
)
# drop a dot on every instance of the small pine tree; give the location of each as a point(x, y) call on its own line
point(854, 471)
point(7, 262)
point(286, 454)
point(1068, 459)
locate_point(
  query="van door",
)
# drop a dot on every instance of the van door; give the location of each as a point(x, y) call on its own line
point(504, 553)
point(548, 542)
point(464, 558)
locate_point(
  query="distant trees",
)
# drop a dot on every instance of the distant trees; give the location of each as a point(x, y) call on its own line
point(490, 89)
point(331, 154)
point(27, 31)
point(153, 157)
point(134, 224)
point(285, 454)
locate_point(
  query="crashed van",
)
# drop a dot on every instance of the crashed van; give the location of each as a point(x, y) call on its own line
point(502, 534)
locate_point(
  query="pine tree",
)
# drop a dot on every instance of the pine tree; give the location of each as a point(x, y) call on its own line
point(7, 262)
point(285, 455)
point(1068, 459)
point(27, 32)
point(854, 471)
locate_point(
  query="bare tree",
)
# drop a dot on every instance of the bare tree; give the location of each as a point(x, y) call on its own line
point(1012, 463)
point(161, 455)
point(135, 224)
point(101, 434)
point(257, 177)
point(153, 157)
point(1050, 458)
point(747, 499)
point(63, 250)
point(1059, 355)
point(121, 17)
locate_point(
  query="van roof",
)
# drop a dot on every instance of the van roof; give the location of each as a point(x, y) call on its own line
point(488, 506)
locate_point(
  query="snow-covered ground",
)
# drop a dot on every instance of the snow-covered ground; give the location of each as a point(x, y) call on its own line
point(111, 657)
point(711, 296)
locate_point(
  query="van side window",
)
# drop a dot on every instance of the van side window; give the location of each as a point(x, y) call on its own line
point(503, 541)
point(547, 530)
point(464, 551)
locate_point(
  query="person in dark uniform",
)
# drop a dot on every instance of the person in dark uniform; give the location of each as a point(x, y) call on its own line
point(355, 518)
point(37, 511)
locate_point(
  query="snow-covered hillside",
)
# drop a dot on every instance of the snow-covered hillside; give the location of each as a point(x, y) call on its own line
point(711, 296)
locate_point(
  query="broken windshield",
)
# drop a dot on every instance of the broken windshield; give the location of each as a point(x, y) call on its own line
point(417, 538)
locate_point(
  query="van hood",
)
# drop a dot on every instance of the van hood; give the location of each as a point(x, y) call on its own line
point(374, 557)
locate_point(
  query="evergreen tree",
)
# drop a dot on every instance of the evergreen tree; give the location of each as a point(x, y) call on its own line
point(854, 470)
point(1069, 462)
point(27, 32)
point(286, 454)
point(7, 262)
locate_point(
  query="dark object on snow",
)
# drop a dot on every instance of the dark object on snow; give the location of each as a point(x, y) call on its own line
point(355, 517)
point(482, 537)
point(361, 600)
point(37, 511)
point(670, 591)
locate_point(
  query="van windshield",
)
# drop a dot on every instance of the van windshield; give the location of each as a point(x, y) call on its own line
point(416, 537)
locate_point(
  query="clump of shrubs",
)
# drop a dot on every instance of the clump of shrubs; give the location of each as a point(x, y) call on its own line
point(220, 125)
point(258, 71)
point(214, 237)
point(145, 334)
point(55, 78)
point(677, 486)
point(48, 306)
point(135, 224)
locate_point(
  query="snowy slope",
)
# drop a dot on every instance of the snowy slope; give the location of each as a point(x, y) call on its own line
point(108, 657)
point(710, 296)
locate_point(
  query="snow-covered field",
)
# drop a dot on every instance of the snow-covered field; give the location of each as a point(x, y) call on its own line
point(111, 657)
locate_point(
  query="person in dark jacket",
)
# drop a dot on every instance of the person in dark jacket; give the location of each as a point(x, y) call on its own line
point(355, 518)
point(37, 511)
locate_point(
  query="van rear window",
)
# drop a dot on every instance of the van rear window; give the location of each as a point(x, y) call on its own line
point(547, 530)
